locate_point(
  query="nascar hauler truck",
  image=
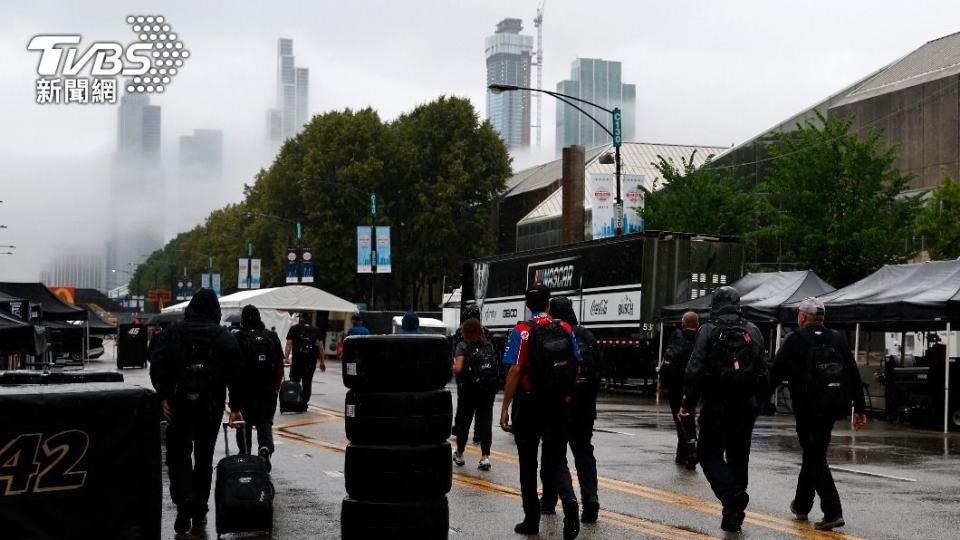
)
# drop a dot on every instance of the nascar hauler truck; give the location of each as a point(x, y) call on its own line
point(617, 286)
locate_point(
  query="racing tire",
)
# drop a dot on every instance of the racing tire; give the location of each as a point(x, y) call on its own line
point(363, 520)
point(398, 473)
point(398, 418)
point(396, 363)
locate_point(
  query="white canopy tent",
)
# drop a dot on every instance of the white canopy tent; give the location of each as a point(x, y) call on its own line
point(276, 304)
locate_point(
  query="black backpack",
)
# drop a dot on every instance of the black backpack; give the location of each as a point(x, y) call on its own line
point(825, 378)
point(306, 345)
point(553, 369)
point(198, 364)
point(591, 355)
point(675, 359)
point(737, 361)
point(482, 366)
point(259, 353)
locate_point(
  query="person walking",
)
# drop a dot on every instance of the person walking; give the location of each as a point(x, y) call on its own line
point(478, 374)
point(261, 358)
point(192, 365)
point(358, 329)
point(824, 385)
point(410, 323)
point(473, 312)
point(727, 370)
point(584, 413)
point(304, 352)
point(543, 357)
point(670, 379)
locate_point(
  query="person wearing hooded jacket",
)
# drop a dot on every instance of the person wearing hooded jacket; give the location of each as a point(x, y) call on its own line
point(191, 367)
point(261, 358)
point(727, 416)
point(583, 413)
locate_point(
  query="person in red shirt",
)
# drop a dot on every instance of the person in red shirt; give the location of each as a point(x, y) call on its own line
point(539, 414)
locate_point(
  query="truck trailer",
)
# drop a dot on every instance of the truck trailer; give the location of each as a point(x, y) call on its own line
point(617, 286)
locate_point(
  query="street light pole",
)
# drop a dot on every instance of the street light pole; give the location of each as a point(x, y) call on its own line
point(616, 134)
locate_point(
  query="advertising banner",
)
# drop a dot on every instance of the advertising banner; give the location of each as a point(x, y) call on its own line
point(254, 273)
point(601, 200)
point(67, 294)
point(242, 268)
point(610, 307)
point(204, 280)
point(383, 250)
point(292, 260)
point(633, 199)
point(215, 284)
point(364, 264)
point(306, 264)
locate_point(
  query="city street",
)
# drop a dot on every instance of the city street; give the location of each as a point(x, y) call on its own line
point(895, 481)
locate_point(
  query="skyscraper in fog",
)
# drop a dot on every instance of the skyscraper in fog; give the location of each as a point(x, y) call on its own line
point(600, 82)
point(508, 62)
point(200, 174)
point(137, 205)
point(293, 90)
point(82, 271)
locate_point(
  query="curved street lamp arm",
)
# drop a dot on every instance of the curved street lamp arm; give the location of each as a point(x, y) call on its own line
point(585, 113)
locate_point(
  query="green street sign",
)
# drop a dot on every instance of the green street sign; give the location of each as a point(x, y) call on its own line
point(617, 128)
point(373, 204)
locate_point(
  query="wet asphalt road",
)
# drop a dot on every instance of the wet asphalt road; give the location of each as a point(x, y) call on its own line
point(894, 481)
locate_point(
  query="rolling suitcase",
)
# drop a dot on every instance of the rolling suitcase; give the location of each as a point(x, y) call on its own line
point(291, 397)
point(244, 493)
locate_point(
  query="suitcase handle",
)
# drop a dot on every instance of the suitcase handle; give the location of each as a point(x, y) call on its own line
point(226, 437)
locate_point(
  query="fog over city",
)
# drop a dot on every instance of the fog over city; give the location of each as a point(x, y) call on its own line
point(706, 73)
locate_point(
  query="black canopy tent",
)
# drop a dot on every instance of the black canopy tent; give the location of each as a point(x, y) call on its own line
point(763, 296)
point(55, 315)
point(17, 336)
point(917, 296)
point(98, 325)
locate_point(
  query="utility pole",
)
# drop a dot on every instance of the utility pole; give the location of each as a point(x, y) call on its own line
point(373, 249)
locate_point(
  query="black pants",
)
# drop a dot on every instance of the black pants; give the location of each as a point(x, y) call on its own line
point(530, 427)
point(675, 396)
point(264, 425)
point(581, 444)
point(815, 477)
point(724, 449)
point(196, 434)
point(473, 401)
point(302, 372)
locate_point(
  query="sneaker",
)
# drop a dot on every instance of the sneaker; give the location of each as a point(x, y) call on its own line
point(733, 515)
point(527, 527)
point(264, 454)
point(799, 516)
point(591, 512)
point(182, 524)
point(458, 459)
point(571, 521)
point(548, 509)
point(829, 524)
point(728, 520)
point(484, 464)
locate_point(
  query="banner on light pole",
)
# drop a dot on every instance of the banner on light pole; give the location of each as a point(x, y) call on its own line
point(384, 265)
point(602, 198)
point(254, 273)
point(306, 264)
point(215, 284)
point(633, 201)
point(204, 280)
point(243, 276)
point(292, 260)
point(364, 248)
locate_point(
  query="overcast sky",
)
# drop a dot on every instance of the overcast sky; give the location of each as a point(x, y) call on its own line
point(706, 73)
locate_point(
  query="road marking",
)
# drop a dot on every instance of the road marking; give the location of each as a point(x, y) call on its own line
point(788, 526)
point(605, 430)
point(868, 473)
point(333, 474)
point(625, 521)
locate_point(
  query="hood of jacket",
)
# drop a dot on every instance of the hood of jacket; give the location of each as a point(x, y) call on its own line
point(410, 322)
point(250, 318)
point(204, 305)
point(726, 301)
point(562, 308)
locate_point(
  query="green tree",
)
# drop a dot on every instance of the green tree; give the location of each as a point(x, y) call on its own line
point(838, 200)
point(939, 220)
point(700, 200)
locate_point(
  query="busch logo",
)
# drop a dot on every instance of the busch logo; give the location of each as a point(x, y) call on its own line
point(598, 307)
point(149, 63)
point(625, 307)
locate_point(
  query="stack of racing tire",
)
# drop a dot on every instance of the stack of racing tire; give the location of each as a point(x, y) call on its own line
point(398, 468)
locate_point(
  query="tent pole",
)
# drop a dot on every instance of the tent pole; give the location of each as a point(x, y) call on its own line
point(776, 343)
point(946, 385)
point(659, 359)
point(856, 342)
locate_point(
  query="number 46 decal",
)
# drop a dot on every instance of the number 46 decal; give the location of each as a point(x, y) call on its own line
point(51, 464)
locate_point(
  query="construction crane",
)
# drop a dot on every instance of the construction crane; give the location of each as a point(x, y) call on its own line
point(538, 23)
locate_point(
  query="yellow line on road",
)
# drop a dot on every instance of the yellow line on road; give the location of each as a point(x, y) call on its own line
point(796, 528)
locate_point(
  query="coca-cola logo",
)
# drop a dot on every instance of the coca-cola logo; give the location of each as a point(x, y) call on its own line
point(598, 307)
point(602, 195)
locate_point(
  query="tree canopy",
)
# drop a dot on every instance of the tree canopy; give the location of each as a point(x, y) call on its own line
point(939, 221)
point(436, 171)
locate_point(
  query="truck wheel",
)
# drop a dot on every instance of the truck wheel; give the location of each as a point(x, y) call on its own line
point(955, 419)
point(397, 473)
point(362, 520)
point(402, 363)
point(410, 418)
